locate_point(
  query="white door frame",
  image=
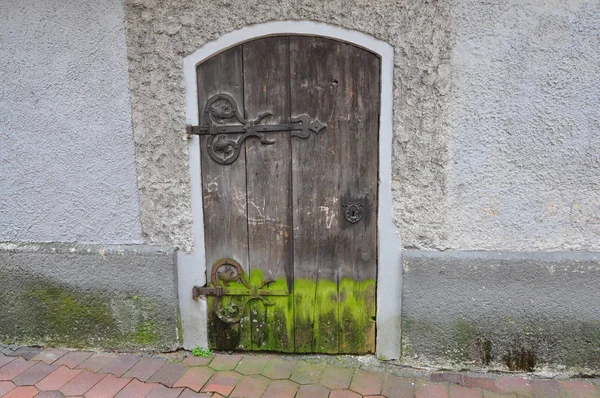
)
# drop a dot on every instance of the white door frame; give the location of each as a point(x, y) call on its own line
point(192, 266)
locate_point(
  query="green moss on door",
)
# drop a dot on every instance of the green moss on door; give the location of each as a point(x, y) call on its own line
point(319, 317)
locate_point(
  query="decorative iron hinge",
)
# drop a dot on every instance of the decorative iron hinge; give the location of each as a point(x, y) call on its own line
point(227, 271)
point(224, 149)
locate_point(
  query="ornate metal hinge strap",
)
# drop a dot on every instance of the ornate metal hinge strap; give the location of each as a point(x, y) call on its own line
point(227, 271)
point(225, 149)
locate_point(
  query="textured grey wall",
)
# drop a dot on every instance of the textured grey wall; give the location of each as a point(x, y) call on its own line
point(161, 33)
point(526, 143)
point(67, 168)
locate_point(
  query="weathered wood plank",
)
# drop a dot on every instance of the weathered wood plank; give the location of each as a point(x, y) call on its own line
point(224, 193)
point(358, 100)
point(314, 90)
point(268, 168)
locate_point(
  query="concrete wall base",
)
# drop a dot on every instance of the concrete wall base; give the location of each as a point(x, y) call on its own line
point(515, 311)
point(89, 296)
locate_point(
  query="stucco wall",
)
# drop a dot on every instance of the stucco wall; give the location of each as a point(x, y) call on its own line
point(161, 33)
point(525, 171)
point(67, 168)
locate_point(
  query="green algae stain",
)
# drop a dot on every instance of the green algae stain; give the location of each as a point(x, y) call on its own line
point(317, 317)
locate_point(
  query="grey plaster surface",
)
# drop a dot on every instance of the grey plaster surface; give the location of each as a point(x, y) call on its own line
point(161, 33)
point(121, 297)
point(67, 165)
point(525, 171)
point(493, 308)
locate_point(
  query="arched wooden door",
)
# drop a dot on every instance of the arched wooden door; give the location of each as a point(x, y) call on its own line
point(289, 144)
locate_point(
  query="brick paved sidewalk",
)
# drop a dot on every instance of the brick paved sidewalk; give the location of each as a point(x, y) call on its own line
point(33, 372)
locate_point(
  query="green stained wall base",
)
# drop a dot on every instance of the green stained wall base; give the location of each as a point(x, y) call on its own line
point(316, 317)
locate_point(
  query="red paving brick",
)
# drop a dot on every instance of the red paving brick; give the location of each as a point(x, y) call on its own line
point(57, 379)
point(73, 358)
point(312, 391)
point(225, 362)
point(336, 378)
point(197, 361)
point(144, 369)
point(168, 374)
point(479, 382)
point(23, 392)
point(108, 387)
point(397, 387)
point(426, 389)
point(121, 364)
point(507, 385)
point(5, 387)
point(578, 389)
point(136, 389)
point(81, 383)
point(27, 352)
point(279, 368)
point(34, 374)
point(307, 373)
point(464, 392)
point(192, 394)
point(160, 391)
point(281, 389)
point(222, 382)
point(195, 378)
point(367, 383)
point(344, 394)
point(97, 361)
point(251, 386)
point(49, 356)
point(14, 368)
point(4, 360)
point(49, 394)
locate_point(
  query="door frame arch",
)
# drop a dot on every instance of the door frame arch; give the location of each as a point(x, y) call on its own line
point(192, 266)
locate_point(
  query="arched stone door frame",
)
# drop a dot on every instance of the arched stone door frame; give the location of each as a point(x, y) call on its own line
point(192, 266)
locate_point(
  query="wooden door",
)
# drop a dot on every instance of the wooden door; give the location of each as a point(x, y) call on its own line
point(296, 210)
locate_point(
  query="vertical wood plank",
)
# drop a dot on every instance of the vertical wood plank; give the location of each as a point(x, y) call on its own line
point(224, 193)
point(268, 168)
point(357, 242)
point(315, 170)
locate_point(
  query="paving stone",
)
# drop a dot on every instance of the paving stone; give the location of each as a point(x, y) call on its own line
point(5, 359)
point(251, 386)
point(397, 387)
point(281, 389)
point(73, 358)
point(81, 383)
point(465, 392)
point(312, 391)
point(222, 382)
point(344, 394)
point(28, 352)
point(121, 364)
point(108, 387)
point(192, 394)
point(480, 382)
point(197, 361)
point(144, 369)
point(49, 356)
point(97, 361)
point(492, 394)
point(306, 373)
point(336, 378)
point(195, 378)
point(5, 387)
point(278, 368)
point(14, 368)
point(508, 385)
point(225, 362)
point(367, 383)
point(50, 394)
point(23, 392)
point(578, 389)
point(428, 389)
point(34, 374)
point(160, 391)
point(168, 374)
point(252, 364)
point(57, 379)
point(136, 389)
point(455, 378)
